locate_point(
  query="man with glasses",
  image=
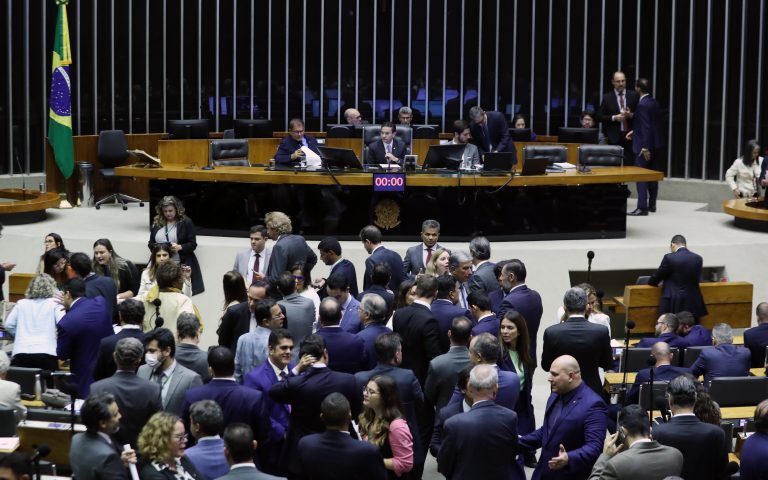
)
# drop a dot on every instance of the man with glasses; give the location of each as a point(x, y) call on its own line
point(353, 117)
point(252, 347)
point(297, 146)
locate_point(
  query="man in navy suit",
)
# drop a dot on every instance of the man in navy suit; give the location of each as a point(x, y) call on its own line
point(445, 307)
point(522, 299)
point(450, 410)
point(290, 149)
point(616, 112)
point(490, 132)
point(311, 381)
point(497, 296)
point(483, 279)
point(130, 314)
point(373, 316)
point(239, 319)
point(755, 448)
point(80, 331)
point(206, 422)
point(346, 351)
point(725, 359)
point(480, 308)
point(572, 434)
point(387, 149)
point(680, 271)
point(319, 455)
point(95, 285)
point(417, 256)
point(380, 279)
point(662, 371)
point(276, 369)
point(288, 250)
point(371, 237)
point(756, 338)
point(693, 335)
point(666, 331)
point(481, 443)
point(338, 288)
point(646, 145)
point(330, 254)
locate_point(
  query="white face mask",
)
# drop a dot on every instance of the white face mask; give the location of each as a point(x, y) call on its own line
point(152, 360)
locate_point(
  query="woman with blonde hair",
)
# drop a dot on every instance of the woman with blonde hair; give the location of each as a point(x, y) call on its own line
point(438, 262)
point(161, 253)
point(161, 445)
point(595, 310)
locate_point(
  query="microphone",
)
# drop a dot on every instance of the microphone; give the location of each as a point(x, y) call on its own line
point(624, 354)
point(159, 322)
point(157, 302)
point(629, 325)
point(41, 451)
point(651, 361)
point(590, 256)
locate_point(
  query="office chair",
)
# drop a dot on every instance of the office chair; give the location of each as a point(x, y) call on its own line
point(601, 155)
point(230, 153)
point(113, 152)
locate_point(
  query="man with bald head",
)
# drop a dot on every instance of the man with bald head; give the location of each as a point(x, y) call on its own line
point(662, 371)
point(756, 338)
point(571, 436)
point(353, 117)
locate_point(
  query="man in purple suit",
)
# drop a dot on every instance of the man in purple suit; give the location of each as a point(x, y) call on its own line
point(680, 270)
point(646, 144)
point(663, 370)
point(346, 351)
point(725, 359)
point(522, 299)
point(693, 335)
point(666, 331)
point(445, 307)
point(371, 237)
point(480, 308)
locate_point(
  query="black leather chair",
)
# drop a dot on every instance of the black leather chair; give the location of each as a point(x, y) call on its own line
point(738, 391)
point(342, 131)
point(405, 133)
point(24, 377)
point(659, 395)
point(555, 153)
point(690, 354)
point(425, 132)
point(230, 152)
point(229, 133)
point(113, 152)
point(7, 422)
point(601, 156)
point(636, 359)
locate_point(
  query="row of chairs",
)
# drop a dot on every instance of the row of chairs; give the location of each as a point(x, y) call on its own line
point(636, 358)
point(726, 391)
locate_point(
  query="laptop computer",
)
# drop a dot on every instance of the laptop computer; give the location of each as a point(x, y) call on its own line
point(535, 166)
point(498, 161)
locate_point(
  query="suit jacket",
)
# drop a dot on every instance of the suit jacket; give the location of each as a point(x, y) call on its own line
point(660, 374)
point(79, 335)
point(755, 339)
point(10, 399)
point(443, 374)
point(346, 351)
point(235, 322)
point(350, 320)
point(413, 261)
point(642, 461)
point(348, 269)
point(96, 285)
point(421, 338)
point(243, 258)
point(442, 416)
point(92, 458)
point(699, 336)
point(194, 359)
point(646, 132)
point(508, 394)
point(489, 324)
point(483, 280)
point(369, 334)
point(704, 446)
point(208, 457)
point(526, 421)
point(288, 250)
point(481, 443)
point(137, 398)
point(673, 339)
point(752, 457)
point(680, 271)
point(389, 297)
point(186, 234)
point(288, 145)
point(722, 361)
point(496, 299)
point(105, 363)
point(375, 153)
point(580, 428)
point(527, 303)
point(498, 135)
point(2, 282)
point(182, 380)
point(609, 107)
point(319, 458)
point(445, 311)
point(299, 317)
point(383, 254)
point(588, 342)
point(248, 473)
point(305, 393)
point(147, 471)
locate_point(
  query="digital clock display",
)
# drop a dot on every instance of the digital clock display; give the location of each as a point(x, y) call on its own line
point(388, 182)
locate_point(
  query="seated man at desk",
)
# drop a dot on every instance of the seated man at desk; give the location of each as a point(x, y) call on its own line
point(388, 149)
point(297, 146)
point(461, 136)
point(662, 370)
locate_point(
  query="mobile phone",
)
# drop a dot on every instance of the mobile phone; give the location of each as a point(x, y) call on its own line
point(620, 438)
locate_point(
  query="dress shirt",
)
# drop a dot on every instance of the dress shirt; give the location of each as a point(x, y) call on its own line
point(295, 370)
point(277, 371)
point(424, 254)
point(242, 465)
point(422, 302)
point(463, 296)
point(262, 264)
point(489, 316)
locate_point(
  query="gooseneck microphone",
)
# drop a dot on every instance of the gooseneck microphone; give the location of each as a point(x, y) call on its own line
point(624, 355)
point(590, 256)
point(158, 319)
point(651, 362)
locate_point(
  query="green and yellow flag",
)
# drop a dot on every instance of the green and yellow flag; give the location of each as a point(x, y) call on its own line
point(60, 112)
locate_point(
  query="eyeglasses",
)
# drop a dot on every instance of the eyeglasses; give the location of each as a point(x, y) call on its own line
point(368, 391)
point(182, 437)
point(298, 277)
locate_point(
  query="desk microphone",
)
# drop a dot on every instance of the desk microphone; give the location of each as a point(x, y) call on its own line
point(590, 256)
point(158, 320)
point(624, 355)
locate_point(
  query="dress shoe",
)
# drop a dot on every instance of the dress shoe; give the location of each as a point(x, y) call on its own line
point(652, 209)
point(530, 461)
point(638, 213)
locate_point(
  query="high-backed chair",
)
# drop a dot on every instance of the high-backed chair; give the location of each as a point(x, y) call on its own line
point(425, 132)
point(636, 358)
point(113, 152)
point(555, 153)
point(738, 391)
point(371, 133)
point(230, 152)
point(7, 422)
point(405, 133)
point(659, 395)
point(690, 354)
point(601, 155)
point(24, 377)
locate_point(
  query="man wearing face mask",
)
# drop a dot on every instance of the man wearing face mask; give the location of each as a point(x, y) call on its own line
point(162, 368)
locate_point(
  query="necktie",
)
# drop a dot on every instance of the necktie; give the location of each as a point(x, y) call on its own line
point(487, 137)
point(389, 148)
point(255, 268)
point(429, 254)
point(283, 375)
point(623, 105)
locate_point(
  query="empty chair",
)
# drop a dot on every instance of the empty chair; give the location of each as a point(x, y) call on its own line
point(659, 396)
point(601, 155)
point(636, 359)
point(738, 391)
point(24, 377)
point(230, 152)
point(690, 354)
point(555, 153)
point(728, 430)
point(113, 152)
point(404, 133)
point(7, 422)
point(425, 132)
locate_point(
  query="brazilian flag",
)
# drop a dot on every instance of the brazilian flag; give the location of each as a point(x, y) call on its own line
point(60, 113)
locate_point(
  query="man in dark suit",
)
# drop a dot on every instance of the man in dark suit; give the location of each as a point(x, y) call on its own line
point(95, 285)
point(525, 301)
point(137, 398)
point(483, 278)
point(755, 448)
point(330, 254)
point(693, 335)
point(379, 281)
point(338, 288)
point(388, 149)
point(480, 308)
point(418, 328)
point(571, 436)
point(444, 369)
point(704, 446)
point(373, 316)
point(238, 449)
point(239, 319)
point(615, 113)
point(288, 250)
point(646, 145)
point(724, 359)
point(662, 371)
point(291, 148)
point(497, 297)
point(371, 237)
point(490, 131)
point(450, 410)
point(417, 256)
point(80, 331)
point(311, 381)
point(188, 353)
point(346, 351)
point(680, 271)
point(206, 422)
point(666, 331)
point(445, 307)
point(319, 454)
point(481, 443)
point(460, 268)
point(130, 314)
point(756, 338)
point(589, 343)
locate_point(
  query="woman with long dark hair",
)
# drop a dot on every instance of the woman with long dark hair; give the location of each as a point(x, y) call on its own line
point(234, 289)
point(122, 271)
point(51, 241)
point(743, 174)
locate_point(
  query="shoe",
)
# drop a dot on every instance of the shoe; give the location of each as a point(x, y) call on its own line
point(652, 209)
point(530, 461)
point(638, 213)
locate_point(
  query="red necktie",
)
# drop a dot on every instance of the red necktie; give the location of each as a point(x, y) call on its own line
point(429, 254)
point(623, 106)
point(255, 268)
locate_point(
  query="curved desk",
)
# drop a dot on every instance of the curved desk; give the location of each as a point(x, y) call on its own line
point(25, 206)
point(748, 213)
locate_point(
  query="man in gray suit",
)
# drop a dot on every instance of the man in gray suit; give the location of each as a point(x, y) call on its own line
point(417, 256)
point(161, 367)
point(94, 454)
point(461, 136)
point(299, 310)
point(444, 369)
point(483, 278)
point(10, 392)
point(288, 250)
point(252, 263)
point(187, 352)
point(637, 457)
point(238, 448)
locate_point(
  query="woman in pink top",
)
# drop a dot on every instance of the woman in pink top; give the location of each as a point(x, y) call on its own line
point(382, 424)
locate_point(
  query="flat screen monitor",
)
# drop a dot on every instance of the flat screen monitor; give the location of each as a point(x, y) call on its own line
point(520, 134)
point(188, 129)
point(577, 135)
point(340, 158)
point(444, 156)
point(253, 128)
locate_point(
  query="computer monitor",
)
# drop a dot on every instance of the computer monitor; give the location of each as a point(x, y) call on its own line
point(253, 128)
point(340, 158)
point(444, 156)
point(520, 134)
point(577, 135)
point(188, 129)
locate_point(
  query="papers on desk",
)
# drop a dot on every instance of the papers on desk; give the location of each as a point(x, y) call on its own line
point(78, 405)
point(145, 158)
point(565, 165)
point(9, 444)
point(391, 166)
point(311, 158)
